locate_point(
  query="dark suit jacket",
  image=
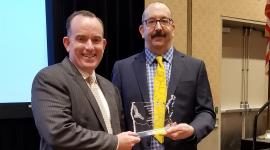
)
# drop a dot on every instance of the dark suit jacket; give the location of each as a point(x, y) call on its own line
point(66, 113)
point(188, 82)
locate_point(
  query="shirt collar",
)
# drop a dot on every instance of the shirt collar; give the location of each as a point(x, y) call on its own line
point(86, 75)
point(150, 57)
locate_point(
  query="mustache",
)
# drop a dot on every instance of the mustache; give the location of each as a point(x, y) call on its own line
point(158, 34)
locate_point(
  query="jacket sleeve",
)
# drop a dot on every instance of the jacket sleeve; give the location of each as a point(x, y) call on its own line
point(204, 120)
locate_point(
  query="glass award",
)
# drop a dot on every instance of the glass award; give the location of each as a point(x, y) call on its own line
point(142, 117)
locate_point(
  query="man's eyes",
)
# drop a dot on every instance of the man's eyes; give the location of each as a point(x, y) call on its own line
point(96, 40)
point(83, 39)
point(151, 21)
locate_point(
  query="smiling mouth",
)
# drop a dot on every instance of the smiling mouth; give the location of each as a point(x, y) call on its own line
point(89, 56)
point(158, 38)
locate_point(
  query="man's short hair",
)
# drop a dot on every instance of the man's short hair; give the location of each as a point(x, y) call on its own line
point(85, 13)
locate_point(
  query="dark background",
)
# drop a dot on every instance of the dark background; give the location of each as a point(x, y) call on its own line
point(121, 20)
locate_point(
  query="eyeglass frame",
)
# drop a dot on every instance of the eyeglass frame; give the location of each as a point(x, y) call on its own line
point(170, 22)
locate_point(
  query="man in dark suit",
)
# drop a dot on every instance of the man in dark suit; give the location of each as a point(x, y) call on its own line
point(186, 79)
point(73, 107)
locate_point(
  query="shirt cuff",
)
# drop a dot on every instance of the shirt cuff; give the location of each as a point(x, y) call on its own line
point(192, 137)
point(117, 144)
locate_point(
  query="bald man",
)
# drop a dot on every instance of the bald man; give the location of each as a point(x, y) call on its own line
point(186, 79)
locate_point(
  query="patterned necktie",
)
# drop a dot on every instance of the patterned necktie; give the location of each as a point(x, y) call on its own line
point(102, 103)
point(160, 95)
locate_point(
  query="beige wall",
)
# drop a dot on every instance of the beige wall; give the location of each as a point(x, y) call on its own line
point(206, 45)
point(206, 39)
point(244, 9)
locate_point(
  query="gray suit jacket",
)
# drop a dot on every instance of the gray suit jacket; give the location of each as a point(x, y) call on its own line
point(66, 113)
point(188, 83)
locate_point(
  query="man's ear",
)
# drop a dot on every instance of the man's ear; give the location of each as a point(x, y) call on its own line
point(66, 43)
point(141, 30)
point(173, 26)
point(104, 43)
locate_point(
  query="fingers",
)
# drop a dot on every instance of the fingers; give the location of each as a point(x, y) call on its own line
point(134, 137)
point(132, 133)
point(127, 140)
point(174, 128)
point(179, 131)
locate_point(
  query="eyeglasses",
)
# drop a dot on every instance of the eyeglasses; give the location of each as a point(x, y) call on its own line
point(153, 22)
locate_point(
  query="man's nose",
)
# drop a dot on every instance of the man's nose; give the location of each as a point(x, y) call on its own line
point(89, 44)
point(158, 26)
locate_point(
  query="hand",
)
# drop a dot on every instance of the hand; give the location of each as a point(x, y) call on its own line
point(126, 140)
point(179, 131)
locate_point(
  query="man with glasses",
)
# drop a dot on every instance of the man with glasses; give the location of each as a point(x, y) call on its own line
point(139, 79)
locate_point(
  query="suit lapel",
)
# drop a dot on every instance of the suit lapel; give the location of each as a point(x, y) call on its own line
point(140, 73)
point(178, 66)
point(82, 84)
point(92, 100)
point(109, 94)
